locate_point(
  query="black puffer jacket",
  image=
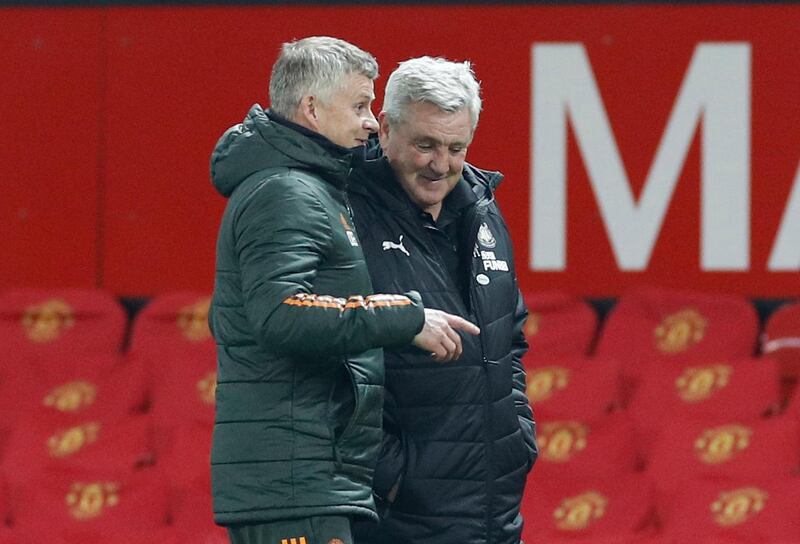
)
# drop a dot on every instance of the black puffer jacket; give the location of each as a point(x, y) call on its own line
point(460, 435)
point(299, 382)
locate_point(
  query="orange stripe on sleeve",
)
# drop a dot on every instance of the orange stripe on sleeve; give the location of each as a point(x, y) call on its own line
point(325, 301)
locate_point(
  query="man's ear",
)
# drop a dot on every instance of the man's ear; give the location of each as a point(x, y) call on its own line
point(307, 112)
point(383, 129)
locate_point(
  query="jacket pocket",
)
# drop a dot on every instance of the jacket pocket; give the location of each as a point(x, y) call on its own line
point(356, 402)
point(390, 468)
point(342, 405)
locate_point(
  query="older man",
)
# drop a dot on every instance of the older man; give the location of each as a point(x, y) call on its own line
point(458, 437)
point(300, 372)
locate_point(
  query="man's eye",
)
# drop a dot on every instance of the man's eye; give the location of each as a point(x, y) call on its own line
point(456, 150)
point(425, 147)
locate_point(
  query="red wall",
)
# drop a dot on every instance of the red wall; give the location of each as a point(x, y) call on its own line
point(108, 117)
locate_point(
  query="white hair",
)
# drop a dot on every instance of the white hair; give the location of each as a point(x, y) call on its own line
point(314, 65)
point(451, 86)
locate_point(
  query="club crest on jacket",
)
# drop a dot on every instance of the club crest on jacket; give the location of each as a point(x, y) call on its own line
point(485, 236)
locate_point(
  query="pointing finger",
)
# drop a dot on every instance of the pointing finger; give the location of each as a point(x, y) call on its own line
point(462, 324)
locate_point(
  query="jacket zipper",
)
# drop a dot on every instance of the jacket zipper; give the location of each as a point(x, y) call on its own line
point(347, 200)
point(337, 454)
point(472, 239)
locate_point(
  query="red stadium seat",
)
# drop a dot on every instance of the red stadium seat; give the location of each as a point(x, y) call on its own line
point(164, 535)
point(781, 340)
point(16, 536)
point(616, 539)
point(193, 515)
point(4, 510)
point(184, 394)
point(604, 448)
point(173, 324)
point(573, 388)
point(743, 389)
point(558, 325)
point(695, 449)
point(44, 322)
point(793, 408)
point(89, 501)
point(40, 444)
point(649, 326)
point(740, 510)
point(202, 535)
point(74, 388)
point(596, 509)
point(187, 461)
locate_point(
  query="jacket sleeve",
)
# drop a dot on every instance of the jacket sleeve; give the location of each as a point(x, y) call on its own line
point(519, 346)
point(282, 234)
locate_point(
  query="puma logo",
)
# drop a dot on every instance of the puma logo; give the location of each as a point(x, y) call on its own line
point(387, 245)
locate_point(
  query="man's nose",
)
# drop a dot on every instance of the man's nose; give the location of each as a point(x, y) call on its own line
point(439, 163)
point(370, 123)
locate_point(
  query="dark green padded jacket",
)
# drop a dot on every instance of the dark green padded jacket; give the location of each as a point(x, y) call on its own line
point(300, 369)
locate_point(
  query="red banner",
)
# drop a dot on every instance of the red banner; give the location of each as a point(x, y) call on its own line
point(641, 144)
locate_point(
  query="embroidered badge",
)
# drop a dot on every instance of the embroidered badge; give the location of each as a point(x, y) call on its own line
point(560, 441)
point(351, 235)
point(193, 320)
point(577, 513)
point(491, 262)
point(69, 441)
point(485, 236)
point(545, 381)
point(680, 331)
point(46, 321)
point(71, 397)
point(737, 506)
point(89, 500)
point(388, 244)
point(207, 388)
point(697, 384)
point(721, 444)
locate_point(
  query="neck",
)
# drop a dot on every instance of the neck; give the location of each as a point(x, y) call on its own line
point(298, 119)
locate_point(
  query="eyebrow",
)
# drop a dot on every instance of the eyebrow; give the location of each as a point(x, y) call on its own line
point(432, 140)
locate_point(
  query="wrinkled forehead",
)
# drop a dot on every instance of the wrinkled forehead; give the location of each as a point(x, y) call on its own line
point(424, 120)
point(355, 84)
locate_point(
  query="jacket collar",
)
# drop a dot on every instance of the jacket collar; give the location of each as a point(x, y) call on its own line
point(354, 154)
point(377, 177)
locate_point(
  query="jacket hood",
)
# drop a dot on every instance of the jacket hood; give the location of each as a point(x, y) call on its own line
point(259, 142)
point(483, 182)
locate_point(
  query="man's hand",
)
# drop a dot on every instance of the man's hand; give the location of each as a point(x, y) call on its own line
point(439, 335)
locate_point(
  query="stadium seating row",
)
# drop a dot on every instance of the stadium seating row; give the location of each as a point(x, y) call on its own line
point(672, 402)
point(646, 325)
point(108, 506)
point(629, 509)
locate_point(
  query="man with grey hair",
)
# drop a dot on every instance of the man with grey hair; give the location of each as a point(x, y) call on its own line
point(298, 330)
point(459, 437)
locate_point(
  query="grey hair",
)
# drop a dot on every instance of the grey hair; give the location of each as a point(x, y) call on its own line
point(314, 65)
point(451, 86)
